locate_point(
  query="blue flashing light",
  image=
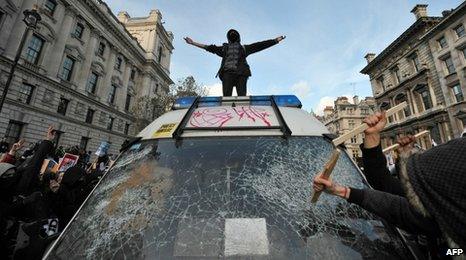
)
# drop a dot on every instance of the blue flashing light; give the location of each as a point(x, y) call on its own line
point(184, 102)
point(280, 100)
point(287, 101)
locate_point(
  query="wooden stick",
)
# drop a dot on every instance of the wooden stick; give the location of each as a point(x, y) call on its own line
point(327, 171)
point(392, 147)
point(345, 137)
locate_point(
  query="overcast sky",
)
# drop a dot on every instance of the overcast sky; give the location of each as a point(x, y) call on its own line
point(319, 60)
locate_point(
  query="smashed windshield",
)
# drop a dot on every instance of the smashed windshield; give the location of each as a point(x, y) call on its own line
point(235, 197)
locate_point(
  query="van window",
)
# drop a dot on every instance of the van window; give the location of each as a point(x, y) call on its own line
point(231, 197)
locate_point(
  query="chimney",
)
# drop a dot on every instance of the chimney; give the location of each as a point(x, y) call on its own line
point(369, 57)
point(419, 11)
point(356, 100)
point(123, 16)
point(328, 110)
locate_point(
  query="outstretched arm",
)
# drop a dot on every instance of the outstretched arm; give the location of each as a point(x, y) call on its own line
point(259, 46)
point(210, 48)
point(191, 42)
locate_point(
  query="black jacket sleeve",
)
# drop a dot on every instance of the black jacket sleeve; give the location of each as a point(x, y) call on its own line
point(377, 173)
point(215, 49)
point(259, 46)
point(30, 173)
point(395, 210)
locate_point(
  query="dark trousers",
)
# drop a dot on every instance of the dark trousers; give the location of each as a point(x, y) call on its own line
point(230, 80)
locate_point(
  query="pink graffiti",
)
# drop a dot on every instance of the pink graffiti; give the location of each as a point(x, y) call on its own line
point(252, 113)
point(210, 117)
point(219, 116)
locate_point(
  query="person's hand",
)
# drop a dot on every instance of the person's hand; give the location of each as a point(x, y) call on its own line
point(188, 40)
point(50, 133)
point(321, 184)
point(406, 143)
point(16, 146)
point(280, 38)
point(376, 123)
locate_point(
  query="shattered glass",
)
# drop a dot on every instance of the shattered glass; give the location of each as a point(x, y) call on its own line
point(228, 198)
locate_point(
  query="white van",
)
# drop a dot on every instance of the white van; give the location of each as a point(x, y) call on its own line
point(228, 178)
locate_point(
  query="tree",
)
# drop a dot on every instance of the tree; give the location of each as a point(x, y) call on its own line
point(146, 109)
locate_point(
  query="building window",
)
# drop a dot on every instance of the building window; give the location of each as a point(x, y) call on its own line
point(83, 143)
point(351, 124)
point(78, 30)
point(111, 94)
point(128, 102)
point(442, 42)
point(118, 63)
point(101, 49)
point(25, 93)
point(67, 69)
point(126, 128)
point(400, 99)
point(459, 30)
point(63, 106)
point(464, 52)
point(382, 83)
point(457, 92)
point(110, 123)
point(89, 115)
point(13, 131)
point(50, 6)
point(34, 49)
point(416, 63)
point(396, 74)
point(133, 75)
point(354, 140)
point(159, 55)
point(449, 65)
point(92, 83)
point(426, 98)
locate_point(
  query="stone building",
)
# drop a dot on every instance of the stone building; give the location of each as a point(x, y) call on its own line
point(447, 42)
point(345, 116)
point(406, 71)
point(81, 70)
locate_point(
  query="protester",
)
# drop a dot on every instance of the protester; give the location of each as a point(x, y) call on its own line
point(10, 157)
point(428, 199)
point(37, 199)
point(234, 69)
point(3, 146)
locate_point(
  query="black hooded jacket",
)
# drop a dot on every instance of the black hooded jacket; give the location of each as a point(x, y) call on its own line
point(242, 66)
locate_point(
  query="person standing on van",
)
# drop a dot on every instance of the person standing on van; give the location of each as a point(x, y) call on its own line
point(234, 69)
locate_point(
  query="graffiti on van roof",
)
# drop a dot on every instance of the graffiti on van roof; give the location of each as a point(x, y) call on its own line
point(233, 116)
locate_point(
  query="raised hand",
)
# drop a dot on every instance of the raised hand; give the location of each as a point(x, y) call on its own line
point(406, 143)
point(188, 40)
point(280, 38)
point(50, 133)
point(375, 122)
point(17, 146)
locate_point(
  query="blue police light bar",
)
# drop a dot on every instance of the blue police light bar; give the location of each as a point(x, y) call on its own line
point(280, 100)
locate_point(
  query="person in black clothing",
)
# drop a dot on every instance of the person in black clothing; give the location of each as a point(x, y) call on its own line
point(428, 199)
point(234, 69)
point(4, 146)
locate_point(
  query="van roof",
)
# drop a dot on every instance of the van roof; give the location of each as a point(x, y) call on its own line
point(235, 116)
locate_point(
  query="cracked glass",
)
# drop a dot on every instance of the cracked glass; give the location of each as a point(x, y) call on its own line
point(228, 198)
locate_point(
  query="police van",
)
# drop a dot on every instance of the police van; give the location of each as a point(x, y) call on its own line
point(228, 178)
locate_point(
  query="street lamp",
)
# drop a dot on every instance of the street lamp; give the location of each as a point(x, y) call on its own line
point(31, 18)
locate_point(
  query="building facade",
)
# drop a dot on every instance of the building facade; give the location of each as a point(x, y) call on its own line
point(81, 70)
point(406, 71)
point(345, 116)
point(447, 42)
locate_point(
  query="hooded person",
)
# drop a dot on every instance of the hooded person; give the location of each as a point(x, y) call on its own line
point(234, 70)
point(431, 198)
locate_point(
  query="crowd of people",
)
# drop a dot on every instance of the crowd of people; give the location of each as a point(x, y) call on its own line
point(428, 197)
point(37, 202)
